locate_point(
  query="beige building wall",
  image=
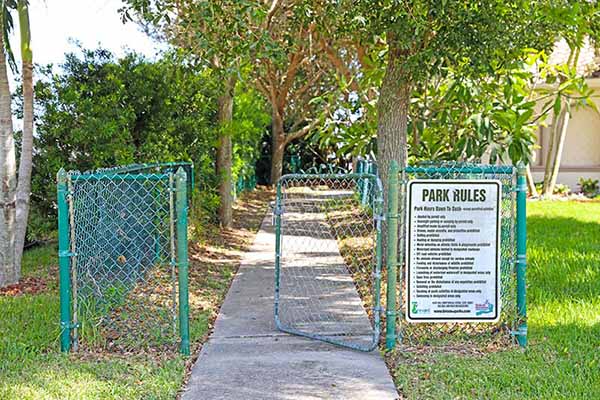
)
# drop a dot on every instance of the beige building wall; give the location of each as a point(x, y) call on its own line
point(581, 154)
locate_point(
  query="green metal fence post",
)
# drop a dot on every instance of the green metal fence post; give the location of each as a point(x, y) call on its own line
point(64, 256)
point(380, 213)
point(392, 256)
point(181, 201)
point(521, 332)
point(277, 214)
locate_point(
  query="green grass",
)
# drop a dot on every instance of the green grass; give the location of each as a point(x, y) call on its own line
point(563, 357)
point(32, 368)
point(562, 361)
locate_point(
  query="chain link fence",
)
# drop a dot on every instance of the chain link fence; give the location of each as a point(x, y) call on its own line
point(328, 261)
point(512, 316)
point(328, 252)
point(123, 257)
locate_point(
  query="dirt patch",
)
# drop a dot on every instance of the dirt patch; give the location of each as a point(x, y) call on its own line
point(27, 285)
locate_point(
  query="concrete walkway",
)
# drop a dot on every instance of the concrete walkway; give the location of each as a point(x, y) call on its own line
point(246, 357)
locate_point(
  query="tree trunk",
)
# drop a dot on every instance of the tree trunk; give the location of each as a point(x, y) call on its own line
point(354, 164)
point(25, 163)
point(278, 150)
point(392, 114)
point(564, 126)
point(8, 273)
point(549, 154)
point(530, 183)
point(392, 126)
point(224, 153)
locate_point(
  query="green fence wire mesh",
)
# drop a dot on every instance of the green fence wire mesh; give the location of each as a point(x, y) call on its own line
point(510, 319)
point(123, 246)
point(328, 261)
point(245, 183)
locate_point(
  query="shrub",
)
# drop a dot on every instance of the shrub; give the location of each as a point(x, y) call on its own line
point(100, 111)
point(589, 186)
point(559, 189)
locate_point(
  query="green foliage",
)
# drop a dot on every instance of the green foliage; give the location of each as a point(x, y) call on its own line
point(457, 117)
point(100, 111)
point(562, 189)
point(216, 33)
point(589, 186)
point(463, 62)
point(559, 189)
point(427, 36)
point(250, 121)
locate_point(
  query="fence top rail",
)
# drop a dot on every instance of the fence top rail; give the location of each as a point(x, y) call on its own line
point(355, 175)
point(151, 168)
point(120, 176)
point(466, 169)
point(152, 171)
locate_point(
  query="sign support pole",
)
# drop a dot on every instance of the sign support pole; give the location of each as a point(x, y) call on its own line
point(392, 257)
point(521, 332)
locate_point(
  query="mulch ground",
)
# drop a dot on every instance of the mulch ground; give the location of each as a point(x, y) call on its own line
point(27, 285)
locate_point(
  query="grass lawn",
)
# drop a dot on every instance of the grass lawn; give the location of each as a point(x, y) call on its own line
point(563, 357)
point(31, 367)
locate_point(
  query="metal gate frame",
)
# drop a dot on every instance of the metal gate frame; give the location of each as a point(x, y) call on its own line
point(180, 186)
point(378, 215)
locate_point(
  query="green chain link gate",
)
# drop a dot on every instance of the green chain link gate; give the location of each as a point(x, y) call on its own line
point(123, 257)
point(328, 258)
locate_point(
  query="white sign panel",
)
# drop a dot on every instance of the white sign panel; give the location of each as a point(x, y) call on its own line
point(453, 250)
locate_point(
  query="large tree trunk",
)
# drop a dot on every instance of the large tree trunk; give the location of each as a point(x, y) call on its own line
point(279, 143)
point(8, 273)
point(392, 114)
point(564, 126)
point(25, 163)
point(224, 153)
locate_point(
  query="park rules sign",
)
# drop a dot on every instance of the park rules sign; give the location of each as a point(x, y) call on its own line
point(453, 250)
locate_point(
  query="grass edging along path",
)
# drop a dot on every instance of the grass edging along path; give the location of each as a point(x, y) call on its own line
point(31, 366)
point(563, 357)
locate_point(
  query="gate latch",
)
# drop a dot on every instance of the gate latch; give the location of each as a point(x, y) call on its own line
point(276, 210)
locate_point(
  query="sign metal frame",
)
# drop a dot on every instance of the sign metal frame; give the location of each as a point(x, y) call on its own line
point(498, 204)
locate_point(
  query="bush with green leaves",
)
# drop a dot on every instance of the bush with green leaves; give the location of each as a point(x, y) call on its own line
point(588, 186)
point(559, 189)
point(452, 117)
point(99, 111)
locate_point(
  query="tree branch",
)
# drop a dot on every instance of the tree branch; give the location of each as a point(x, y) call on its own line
point(308, 85)
point(340, 65)
point(290, 75)
point(302, 131)
point(272, 10)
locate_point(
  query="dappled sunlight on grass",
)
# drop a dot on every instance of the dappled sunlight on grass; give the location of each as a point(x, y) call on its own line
point(31, 366)
point(563, 357)
point(55, 376)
